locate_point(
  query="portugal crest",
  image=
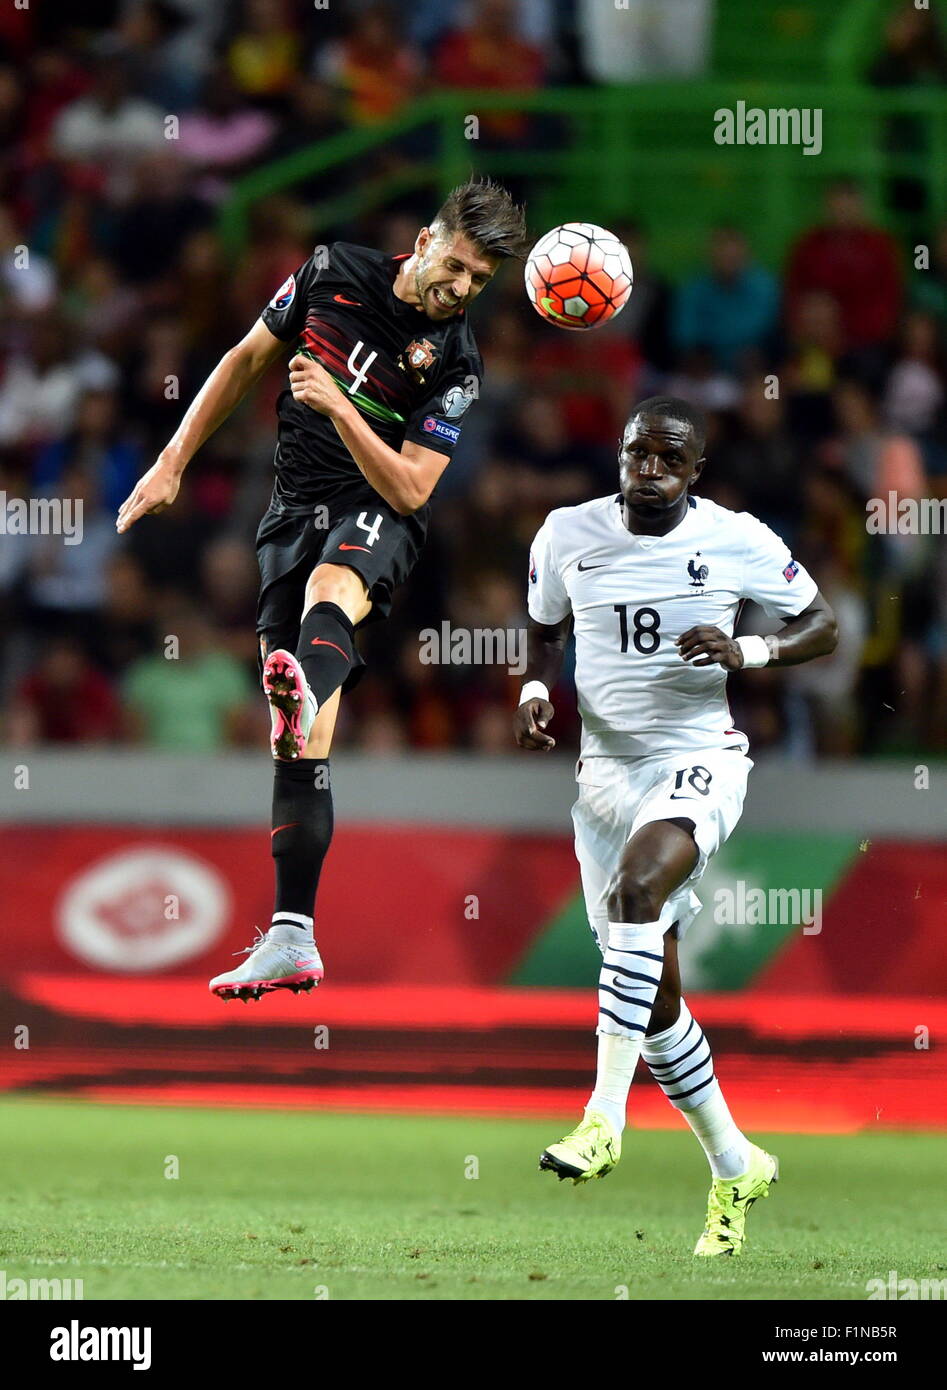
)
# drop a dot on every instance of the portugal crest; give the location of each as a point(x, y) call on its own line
point(417, 358)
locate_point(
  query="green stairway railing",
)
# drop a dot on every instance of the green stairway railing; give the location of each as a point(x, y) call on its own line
point(643, 152)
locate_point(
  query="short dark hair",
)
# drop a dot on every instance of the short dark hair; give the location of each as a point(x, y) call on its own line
point(676, 408)
point(484, 212)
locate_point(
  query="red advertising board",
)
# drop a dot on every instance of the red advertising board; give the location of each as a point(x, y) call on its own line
point(396, 905)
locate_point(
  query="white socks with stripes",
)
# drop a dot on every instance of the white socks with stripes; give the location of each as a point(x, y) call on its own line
point(294, 928)
point(627, 987)
point(681, 1064)
point(679, 1058)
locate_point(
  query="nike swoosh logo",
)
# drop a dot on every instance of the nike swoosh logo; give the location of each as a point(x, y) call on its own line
point(546, 302)
point(341, 299)
point(321, 642)
point(592, 567)
point(288, 826)
point(356, 547)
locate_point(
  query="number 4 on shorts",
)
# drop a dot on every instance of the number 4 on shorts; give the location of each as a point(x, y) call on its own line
point(373, 529)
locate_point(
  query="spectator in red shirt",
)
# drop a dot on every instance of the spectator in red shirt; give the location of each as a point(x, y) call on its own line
point(856, 264)
point(65, 700)
point(489, 53)
point(594, 376)
point(55, 81)
point(374, 69)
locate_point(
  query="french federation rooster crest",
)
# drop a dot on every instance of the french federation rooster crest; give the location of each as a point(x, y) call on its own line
point(698, 573)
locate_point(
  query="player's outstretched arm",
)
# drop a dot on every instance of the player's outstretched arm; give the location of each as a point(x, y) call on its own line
point(222, 392)
point(812, 634)
point(545, 647)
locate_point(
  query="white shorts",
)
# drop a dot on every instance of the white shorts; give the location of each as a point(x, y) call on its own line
point(619, 795)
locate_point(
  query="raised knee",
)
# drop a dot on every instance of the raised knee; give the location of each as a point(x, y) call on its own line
point(326, 587)
point(636, 896)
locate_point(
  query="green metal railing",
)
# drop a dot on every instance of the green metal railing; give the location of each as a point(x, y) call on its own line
point(774, 39)
point(779, 40)
point(645, 152)
point(856, 38)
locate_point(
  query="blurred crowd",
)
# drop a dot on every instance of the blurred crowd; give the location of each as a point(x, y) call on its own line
point(825, 384)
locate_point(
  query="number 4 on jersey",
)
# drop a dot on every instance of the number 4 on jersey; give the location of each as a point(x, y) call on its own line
point(359, 373)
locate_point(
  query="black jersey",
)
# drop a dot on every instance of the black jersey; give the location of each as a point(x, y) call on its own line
point(409, 376)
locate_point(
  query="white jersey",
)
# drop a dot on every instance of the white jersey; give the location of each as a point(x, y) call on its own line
point(632, 595)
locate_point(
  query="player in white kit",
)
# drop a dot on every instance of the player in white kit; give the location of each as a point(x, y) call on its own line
point(653, 580)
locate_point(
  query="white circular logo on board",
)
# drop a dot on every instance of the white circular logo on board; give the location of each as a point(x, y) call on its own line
point(143, 909)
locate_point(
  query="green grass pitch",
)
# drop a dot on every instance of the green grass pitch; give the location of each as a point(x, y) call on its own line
point(298, 1205)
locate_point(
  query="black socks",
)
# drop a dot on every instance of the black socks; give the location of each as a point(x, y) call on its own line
point(302, 794)
point(302, 830)
point(326, 649)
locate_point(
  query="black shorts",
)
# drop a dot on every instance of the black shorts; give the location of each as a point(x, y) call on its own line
point(357, 529)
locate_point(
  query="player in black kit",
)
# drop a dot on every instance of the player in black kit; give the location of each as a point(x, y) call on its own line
point(385, 367)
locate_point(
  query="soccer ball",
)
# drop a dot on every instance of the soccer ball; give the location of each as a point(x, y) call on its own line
point(578, 275)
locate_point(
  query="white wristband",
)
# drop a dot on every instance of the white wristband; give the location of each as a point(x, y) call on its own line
point(755, 651)
point(533, 690)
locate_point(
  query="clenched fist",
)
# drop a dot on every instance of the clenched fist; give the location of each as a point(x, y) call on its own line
point(529, 721)
point(312, 385)
point(714, 648)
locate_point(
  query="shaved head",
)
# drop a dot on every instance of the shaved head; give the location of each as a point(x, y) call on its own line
point(674, 408)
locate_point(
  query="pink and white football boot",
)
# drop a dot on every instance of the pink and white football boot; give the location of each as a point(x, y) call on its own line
point(292, 704)
point(276, 960)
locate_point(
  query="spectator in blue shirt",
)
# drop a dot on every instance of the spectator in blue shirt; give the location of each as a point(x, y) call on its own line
point(731, 308)
point(98, 442)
